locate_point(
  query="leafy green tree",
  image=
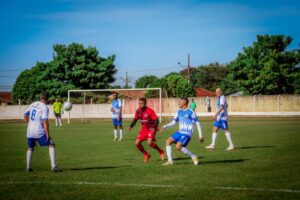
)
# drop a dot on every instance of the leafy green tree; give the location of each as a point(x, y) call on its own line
point(177, 86)
point(188, 73)
point(266, 67)
point(27, 86)
point(174, 84)
point(209, 76)
point(145, 81)
point(73, 67)
point(171, 73)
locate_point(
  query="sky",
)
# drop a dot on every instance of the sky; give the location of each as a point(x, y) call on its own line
point(147, 37)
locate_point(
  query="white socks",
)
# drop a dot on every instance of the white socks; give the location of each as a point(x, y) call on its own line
point(116, 133)
point(59, 120)
point(51, 153)
point(169, 152)
point(186, 151)
point(52, 156)
point(56, 121)
point(213, 139)
point(28, 158)
point(121, 133)
point(228, 136)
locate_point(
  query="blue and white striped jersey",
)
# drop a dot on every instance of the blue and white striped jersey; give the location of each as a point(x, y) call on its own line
point(223, 115)
point(116, 105)
point(186, 119)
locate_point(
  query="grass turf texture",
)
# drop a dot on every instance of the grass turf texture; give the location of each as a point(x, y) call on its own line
point(96, 167)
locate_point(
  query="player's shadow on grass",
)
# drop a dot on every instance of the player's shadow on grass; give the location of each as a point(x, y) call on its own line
point(96, 167)
point(187, 158)
point(213, 161)
point(255, 147)
point(223, 161)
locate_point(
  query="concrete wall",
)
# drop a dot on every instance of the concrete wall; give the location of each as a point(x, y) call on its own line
point(281, 105)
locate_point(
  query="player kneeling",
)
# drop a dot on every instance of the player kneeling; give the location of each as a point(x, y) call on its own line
point(38, 131)
point(186, 119)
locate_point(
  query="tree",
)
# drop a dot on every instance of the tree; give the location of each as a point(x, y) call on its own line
point(188, 73)
point(209, 76)
point(145, 81)
point(266, 67)
point(73, 67)
point(177, 86)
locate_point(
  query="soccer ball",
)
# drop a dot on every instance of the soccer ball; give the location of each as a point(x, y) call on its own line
point(67, 106)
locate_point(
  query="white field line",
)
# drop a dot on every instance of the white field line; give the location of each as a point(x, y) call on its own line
point(145, 185)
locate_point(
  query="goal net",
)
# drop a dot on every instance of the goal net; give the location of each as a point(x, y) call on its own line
point(96, 103)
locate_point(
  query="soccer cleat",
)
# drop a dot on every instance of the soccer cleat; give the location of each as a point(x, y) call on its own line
point(115, 139)
point(120, 139)
point(169, 162)
point(230, 148)
point(29, 169)
point(211, 147)
point(195, 160)
point(146, 157)
point(162, 155)
point(56, 169)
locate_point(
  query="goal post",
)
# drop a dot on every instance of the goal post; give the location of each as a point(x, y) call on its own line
point(85, 91)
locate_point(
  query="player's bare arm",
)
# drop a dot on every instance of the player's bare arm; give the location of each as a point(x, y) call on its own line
point(46, 127)
point(26, 118)
point(120, 114)
point(112, 110)
point(218, 112)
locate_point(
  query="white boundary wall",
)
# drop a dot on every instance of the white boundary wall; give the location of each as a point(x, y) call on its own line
point(103, 111)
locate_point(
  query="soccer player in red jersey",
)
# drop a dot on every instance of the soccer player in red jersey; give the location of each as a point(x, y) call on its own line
point(149, 123)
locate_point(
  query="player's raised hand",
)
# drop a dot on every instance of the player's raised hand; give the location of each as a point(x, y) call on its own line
point(201, 139)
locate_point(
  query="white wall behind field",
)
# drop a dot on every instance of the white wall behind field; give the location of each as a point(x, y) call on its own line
point(272, 105)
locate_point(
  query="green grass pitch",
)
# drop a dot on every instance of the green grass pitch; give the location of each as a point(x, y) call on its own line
point(266, 164)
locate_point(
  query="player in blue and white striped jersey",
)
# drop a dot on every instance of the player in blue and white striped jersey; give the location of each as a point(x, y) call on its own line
point(221, 117)
point(38, 130)
point(116, 109)
point(186, 119)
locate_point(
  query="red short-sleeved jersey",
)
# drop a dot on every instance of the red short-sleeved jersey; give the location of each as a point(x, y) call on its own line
point(147, 117)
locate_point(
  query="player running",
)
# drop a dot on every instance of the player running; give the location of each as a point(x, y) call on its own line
point(220, 118)
point(149, 123)
point(186, 119)
point(38, 130)
point(116, 109)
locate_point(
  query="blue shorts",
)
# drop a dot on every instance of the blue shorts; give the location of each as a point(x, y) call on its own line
point(42, 141)
point(221, 124)
point(184, 139)
point(116, 122)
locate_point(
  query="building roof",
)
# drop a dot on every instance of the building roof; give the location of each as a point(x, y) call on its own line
point(201, 92)
point(5, 97)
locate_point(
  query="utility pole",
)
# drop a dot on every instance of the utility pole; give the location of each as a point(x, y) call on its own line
point(188, 68)
point(126, 80)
